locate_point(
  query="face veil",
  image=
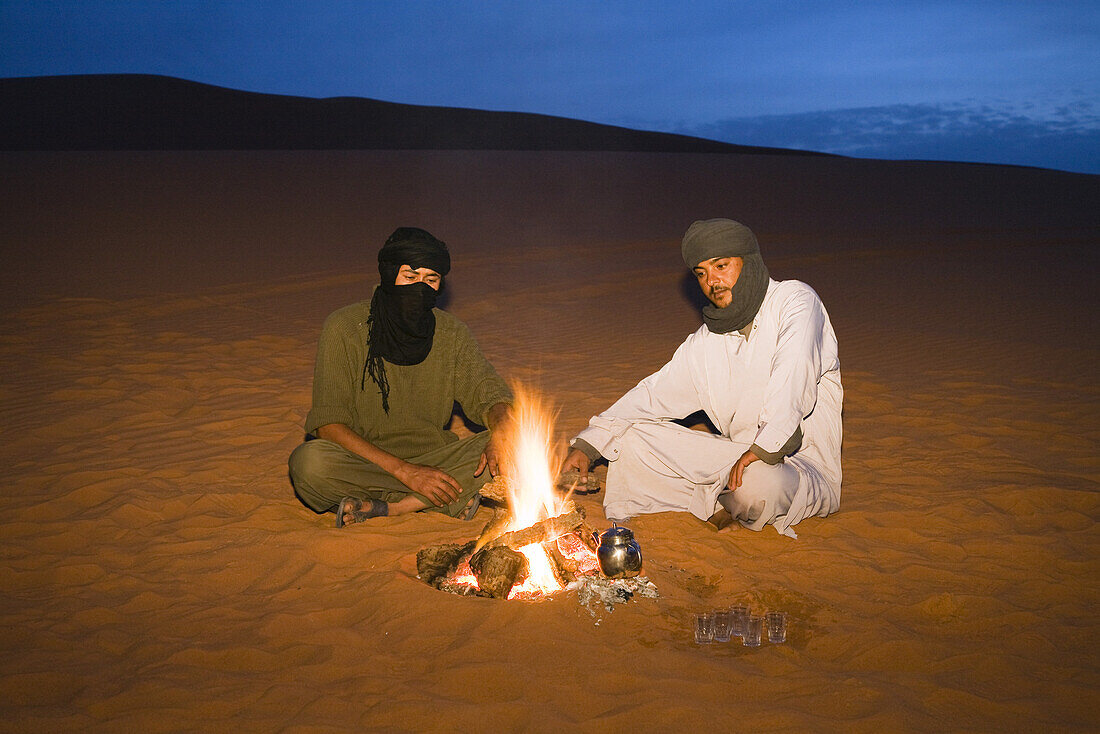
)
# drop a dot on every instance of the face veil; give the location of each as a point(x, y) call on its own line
point(401, 324)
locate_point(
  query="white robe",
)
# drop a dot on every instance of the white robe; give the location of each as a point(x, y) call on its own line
point(755, 391)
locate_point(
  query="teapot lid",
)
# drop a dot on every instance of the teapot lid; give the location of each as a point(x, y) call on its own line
point(616, 534)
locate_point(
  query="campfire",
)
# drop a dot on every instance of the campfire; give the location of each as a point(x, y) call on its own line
point(538, 541)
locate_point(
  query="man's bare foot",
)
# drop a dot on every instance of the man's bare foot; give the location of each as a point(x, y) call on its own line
point(721, 519)
point(354, 510)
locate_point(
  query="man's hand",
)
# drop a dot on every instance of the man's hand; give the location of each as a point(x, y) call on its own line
point(499, 422)
point(737, 474)
point(490, 458)
point(576, 461)
point(435, 484)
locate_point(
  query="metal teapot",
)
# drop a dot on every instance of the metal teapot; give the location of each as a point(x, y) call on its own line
point(619, 554)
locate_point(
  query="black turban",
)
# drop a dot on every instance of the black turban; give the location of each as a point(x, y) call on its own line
point(414, 247)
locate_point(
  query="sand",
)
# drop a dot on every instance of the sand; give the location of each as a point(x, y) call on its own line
point(159, 318)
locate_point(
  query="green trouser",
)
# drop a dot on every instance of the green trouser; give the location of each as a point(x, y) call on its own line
point(323, 473)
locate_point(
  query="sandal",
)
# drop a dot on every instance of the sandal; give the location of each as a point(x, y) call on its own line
point(354, 508)
point(471, 509)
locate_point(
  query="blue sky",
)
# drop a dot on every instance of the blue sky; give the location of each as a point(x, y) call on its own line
point(996, 81)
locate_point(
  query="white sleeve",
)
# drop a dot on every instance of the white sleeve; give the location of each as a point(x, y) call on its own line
point(791, 392)
point(667, 394)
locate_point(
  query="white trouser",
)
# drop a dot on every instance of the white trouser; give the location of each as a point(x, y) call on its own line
point(664, 467)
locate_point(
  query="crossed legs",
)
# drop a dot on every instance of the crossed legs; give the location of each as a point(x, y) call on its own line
point(324, 473)
point(663, 467)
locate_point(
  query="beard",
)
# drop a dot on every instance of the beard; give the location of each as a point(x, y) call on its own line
point(720, 297)
point(734, 308)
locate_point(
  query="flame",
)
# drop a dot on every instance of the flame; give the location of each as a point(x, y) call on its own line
point(532, 462)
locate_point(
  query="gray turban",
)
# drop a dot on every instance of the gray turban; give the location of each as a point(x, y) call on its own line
point(710, 238)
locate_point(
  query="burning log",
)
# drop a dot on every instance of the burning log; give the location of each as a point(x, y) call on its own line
point(498, 569)
point(435, 565)
point(589, 537)
point(496, 527)
point(497, 562)
point(550, 529)
point(565, 569)
point(498, 489)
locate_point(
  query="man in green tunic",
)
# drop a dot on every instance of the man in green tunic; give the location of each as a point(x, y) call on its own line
point(387, 376)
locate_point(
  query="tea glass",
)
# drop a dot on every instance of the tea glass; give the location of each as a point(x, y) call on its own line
point(723, 625)
point(704, 627)
point(754, 631)
point(740, 614)
point(777, 626)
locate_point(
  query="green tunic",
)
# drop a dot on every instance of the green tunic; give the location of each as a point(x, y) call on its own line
point(422, 399)
point(422, 396)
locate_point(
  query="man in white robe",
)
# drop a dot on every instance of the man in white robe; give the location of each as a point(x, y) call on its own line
point(765, 371)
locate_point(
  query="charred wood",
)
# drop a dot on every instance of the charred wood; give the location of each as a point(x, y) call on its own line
point(565, 569)
point(495, 528)
point(543, 530)
point(571, 481)
point(496, 489)
point(434, 565)
point(498, 569)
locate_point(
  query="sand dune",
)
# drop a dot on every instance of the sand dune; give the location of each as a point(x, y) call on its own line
point(156, 348)
point(152, 112)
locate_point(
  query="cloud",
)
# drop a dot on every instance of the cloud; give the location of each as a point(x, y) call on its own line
point(1063, 135)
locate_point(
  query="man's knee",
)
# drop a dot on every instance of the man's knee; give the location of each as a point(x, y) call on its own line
point(309, 462)
point(775, 483)
point(310, 468)
point(766, 492)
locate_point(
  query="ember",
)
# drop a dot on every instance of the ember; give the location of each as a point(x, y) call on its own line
point(536, 546)
point(555, 552)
